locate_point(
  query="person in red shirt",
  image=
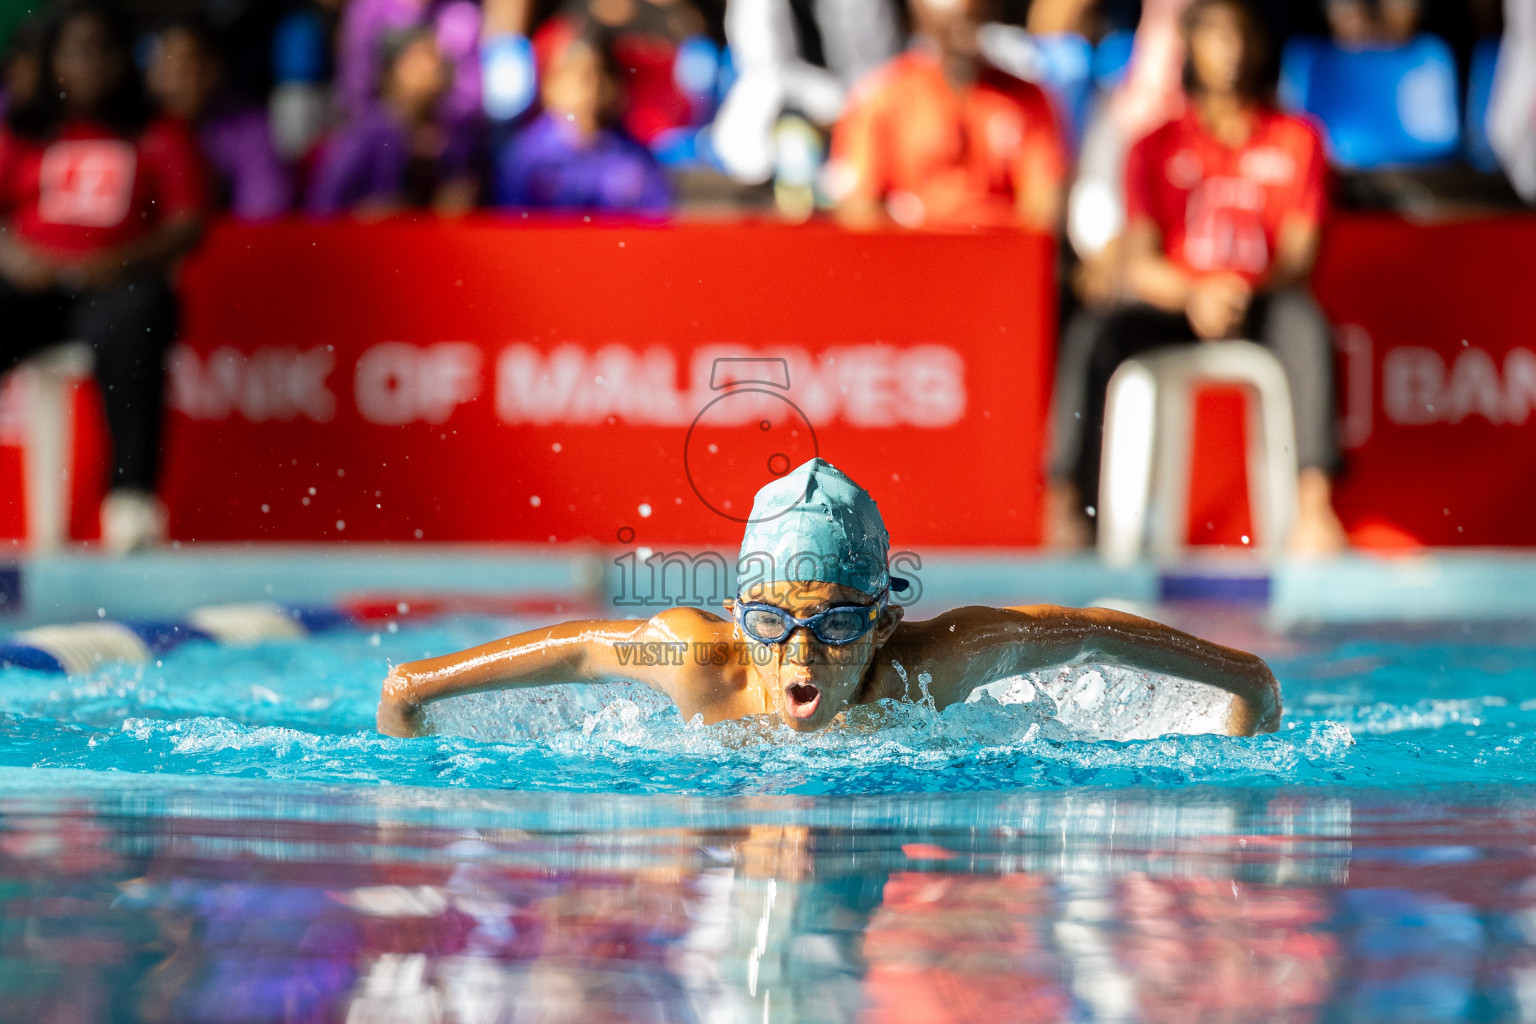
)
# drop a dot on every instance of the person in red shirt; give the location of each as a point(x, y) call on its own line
point(938, 138)
point(97, 201)
point(1224, 207)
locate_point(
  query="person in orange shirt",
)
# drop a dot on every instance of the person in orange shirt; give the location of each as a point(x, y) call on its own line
point(937, 138)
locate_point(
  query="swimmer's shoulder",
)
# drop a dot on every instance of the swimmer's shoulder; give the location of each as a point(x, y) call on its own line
point(684, 623)
point(921, 647)
point(702, 674)
point(945, 650)
point(959, 624)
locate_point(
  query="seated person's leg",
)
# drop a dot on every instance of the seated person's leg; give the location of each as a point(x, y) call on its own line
point(130, 328)
point(1106, 340)
point(1065, 528)
point(1293, 327)
point(29, 321)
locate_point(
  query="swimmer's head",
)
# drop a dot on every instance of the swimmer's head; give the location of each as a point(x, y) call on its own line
point(815, 525)
point(815, 540)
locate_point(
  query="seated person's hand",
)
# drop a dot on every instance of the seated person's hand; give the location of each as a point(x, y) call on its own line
point(456, 198)
point(861, 213)
point(1217, 306)
point(377, 208)
point(27, 269)
point(94, 273)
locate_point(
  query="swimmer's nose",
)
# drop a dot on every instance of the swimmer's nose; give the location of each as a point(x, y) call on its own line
point(802, 648)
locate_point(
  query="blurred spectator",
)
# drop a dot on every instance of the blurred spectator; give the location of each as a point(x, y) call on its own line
point(573, 156)
point(796, 57)
point(1224, 211)
point(21, 66)
point(400, 151)
point(646, 37)
point(1149, 95)
point(299, 105)
point(1512, 108)
point(1373, 22)
point(361, 61)
point(97, 200)
point(938, 138)
point(1058, 17)
point(186, 77)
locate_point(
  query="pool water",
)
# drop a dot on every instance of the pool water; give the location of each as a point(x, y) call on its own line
point(223, 837)
point(1396, 707)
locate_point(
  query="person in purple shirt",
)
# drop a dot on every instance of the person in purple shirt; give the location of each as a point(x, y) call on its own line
point(186, 77)
point(573, 156)
point(366, 24)
point(401, 151)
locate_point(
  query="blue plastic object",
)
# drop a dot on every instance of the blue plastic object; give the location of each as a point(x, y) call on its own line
point(299, 48)
point(509, 76)
point(726, 76)
point(687, 146)
point(1485, 61)
point(25, 656)
point(160, 637)
point(1112, 58)
point(1067, 74)
point(1380, 106)
point(696, 70)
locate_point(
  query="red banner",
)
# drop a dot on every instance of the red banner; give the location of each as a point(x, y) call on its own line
point(1437, 378)
point(527, 382)
point(533, 382)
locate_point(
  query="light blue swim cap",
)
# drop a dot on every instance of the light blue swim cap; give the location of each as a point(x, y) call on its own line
point(814, 524)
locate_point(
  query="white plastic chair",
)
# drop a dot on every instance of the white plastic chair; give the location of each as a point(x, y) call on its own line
point(1144, 478)
point(47, 387)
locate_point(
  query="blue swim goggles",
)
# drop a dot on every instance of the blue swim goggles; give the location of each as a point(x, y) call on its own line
point(842, 624)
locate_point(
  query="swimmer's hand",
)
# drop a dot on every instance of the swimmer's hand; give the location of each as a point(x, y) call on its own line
point(1258, 707)
point(400, 713)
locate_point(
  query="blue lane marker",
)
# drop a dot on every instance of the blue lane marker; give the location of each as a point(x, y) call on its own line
point(1194, 586)
point(319, 618)
point(10, 588)
point(22, 656)
point(158, 636)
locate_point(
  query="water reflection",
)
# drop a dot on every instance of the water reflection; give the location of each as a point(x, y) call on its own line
point(1146, 906)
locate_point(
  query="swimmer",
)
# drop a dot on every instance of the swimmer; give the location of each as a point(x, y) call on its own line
point(812, 632)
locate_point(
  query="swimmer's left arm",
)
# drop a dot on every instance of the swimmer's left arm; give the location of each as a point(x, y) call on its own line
point(998, 642)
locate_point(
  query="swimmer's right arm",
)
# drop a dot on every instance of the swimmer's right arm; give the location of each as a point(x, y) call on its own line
point(572, 652)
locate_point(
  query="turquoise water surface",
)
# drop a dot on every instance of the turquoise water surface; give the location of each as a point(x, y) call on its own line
point(222, 837)
point(1397, 707)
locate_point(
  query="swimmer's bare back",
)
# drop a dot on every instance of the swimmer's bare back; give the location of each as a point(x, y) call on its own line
point(707, 667)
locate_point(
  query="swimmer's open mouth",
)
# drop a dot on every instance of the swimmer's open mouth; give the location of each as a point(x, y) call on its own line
point(804, 699)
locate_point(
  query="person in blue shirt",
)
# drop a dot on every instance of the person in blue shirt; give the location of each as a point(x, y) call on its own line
point(573, 156)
